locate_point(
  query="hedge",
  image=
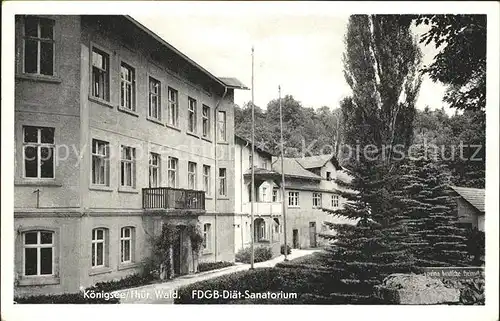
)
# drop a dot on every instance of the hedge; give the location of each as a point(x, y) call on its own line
point(67, 298)
point(261, 254)
point(311, 285)
point(314, 260)
point(130, 281)
point(102, 288)
point(209, 266)
point(288, 249)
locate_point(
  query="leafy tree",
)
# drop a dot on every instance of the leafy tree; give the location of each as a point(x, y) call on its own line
point(461, 62)
point(461, 140)
point(305, 131)
point(381, 63)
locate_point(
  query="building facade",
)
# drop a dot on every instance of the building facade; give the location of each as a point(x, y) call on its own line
point(267, 228)
point(309, 187)
point(470, 206)
point(116, 134)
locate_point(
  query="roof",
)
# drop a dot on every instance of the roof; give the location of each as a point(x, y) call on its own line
point(225, 81)
point(293, 168)
point(232, 82)
point(261, 171)
point(317, 161)
point(475, 196)
point(249, 142)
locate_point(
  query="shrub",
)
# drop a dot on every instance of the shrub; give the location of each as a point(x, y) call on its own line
point(475, 245)
point(315, 260)
point(208, 266)
point(68, 298)
point(472, 292)
point(130, 281)
point(256, 280)
point(288, 249)
point(314, 283)
point(261, 254)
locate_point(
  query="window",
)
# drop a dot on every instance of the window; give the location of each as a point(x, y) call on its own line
point(276, 225)
point(264, 165)
point(38, 46)
point(275, 195)
point(221, 126)
point(206, 179)
point(316, 200)
point(335, 200)
point(205, 115)
point(100, 74)
point(38, 152)
point(293, 199)
point(222, 182)
point(127, 173)
point(38, 253)
point(207, 236)
point(154, 170)
point(127, 87)
point(191, 175)
point(264, 194)
point(259, 229)
point(154, 110)
point(172, 171)
point(126, 244)
point(173, 107)
point(328, 176)
point(99, 247)
point(191, 115)
point(100, 162)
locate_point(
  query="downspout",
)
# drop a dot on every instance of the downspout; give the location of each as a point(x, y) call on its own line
point(216, 169)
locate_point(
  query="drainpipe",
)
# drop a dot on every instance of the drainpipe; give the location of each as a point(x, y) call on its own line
point(216, 169)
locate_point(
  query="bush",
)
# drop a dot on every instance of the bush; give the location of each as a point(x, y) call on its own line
point(261, 254)
point(288, 249)
point(475, 245)
point(472, 292)
point(68, 298)
point(130, 281)
point(256, 280)
point(315, 260)
point(310, 284)
point(208, 266)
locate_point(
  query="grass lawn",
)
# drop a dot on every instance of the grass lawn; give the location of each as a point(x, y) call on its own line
point(304, 280)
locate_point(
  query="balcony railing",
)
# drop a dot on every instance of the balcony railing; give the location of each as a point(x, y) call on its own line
point(172, 198)
point(263, 208)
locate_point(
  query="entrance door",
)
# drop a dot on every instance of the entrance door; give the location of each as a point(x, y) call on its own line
point(312, 234)
point(176, 255)
point(295, 235)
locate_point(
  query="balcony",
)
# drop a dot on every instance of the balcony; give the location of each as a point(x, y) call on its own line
point(263, 208)
point(172, 198)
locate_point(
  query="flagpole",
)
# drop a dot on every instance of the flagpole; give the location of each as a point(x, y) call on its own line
point(252, 188)
point(283, 177)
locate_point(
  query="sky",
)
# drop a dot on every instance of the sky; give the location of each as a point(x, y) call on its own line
point(302, 53)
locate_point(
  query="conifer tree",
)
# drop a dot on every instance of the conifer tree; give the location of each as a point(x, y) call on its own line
point(381, 66)
point(430, 211)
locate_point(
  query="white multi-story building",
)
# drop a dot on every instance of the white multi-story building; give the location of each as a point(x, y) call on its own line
point(310, 186)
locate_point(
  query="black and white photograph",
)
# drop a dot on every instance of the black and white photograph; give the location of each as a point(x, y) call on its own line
point(250, 153)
